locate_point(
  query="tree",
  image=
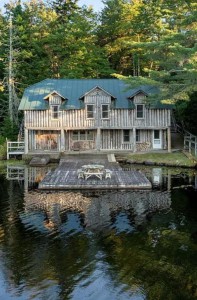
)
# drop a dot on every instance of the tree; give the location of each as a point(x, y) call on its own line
point(167, 31)
point(116, 35)
point(186, 112)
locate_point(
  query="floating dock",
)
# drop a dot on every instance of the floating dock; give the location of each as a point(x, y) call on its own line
point(65, 177)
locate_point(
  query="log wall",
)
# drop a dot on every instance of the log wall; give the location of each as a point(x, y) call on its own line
point(118, 118)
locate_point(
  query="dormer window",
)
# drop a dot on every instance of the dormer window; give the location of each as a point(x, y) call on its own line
point(140, 111)
point(55, 112)
point(105, 111)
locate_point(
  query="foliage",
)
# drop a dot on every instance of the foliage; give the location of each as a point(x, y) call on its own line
point(144, 42)
point(190, 113)
point(3, 150)
point(9, 130)
point(186, 112)
point(157, 39)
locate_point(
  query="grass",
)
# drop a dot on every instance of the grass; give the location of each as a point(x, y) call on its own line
point(169, 159)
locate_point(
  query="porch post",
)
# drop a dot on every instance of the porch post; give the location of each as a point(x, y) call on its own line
point(98, 139)
point(62, 141)
point(26, 140)
point(169, 139)
point(134, 139)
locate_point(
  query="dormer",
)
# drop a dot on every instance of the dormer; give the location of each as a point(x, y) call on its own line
point(97, 97)
point(138, 97)
point(54, 98)
point(97, 94)
point(55, 101)
point(138, 100)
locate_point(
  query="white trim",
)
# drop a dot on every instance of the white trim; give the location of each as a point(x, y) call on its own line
point(88, 104)
point(157, 143)
point(126, 142)
point(94, 88)
point(143, 105)
point(105, 111)
point(137, 93)
point(54, 92)
point(54, 112)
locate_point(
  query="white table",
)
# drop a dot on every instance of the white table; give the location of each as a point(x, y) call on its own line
point(99, 171)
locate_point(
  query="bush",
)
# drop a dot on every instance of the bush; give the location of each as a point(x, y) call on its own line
point(3, 151)
point(2, 140)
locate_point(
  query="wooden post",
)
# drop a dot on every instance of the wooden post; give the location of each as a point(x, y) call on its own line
point(134, 139)
point(62, 141)
point(98, 139)
point(26, 140)
point(7, 149)
point(169, 140)
point(169, 180)
point(190, 144)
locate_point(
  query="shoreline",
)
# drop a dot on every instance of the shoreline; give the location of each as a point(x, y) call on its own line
point(175, 159)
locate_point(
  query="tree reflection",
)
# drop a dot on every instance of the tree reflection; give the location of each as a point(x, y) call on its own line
point(51, 243)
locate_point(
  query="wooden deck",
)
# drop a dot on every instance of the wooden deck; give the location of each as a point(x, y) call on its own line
point(64, 177)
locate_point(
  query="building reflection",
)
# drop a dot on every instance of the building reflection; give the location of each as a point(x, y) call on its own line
point(118, 210)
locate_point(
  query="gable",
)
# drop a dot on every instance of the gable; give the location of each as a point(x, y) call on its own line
point(54, 95)
point(97, 91)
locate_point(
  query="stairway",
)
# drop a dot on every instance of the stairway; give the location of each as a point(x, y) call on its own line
point(21, 132)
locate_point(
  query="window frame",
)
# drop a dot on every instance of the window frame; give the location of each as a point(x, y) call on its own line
point(54, 113)
point(139, 111)
point(104, 111)
point(137, 136)
point(89, 111)
point(126, 135)
point(86, 135)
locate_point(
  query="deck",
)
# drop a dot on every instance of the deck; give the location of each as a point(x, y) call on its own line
point(64, 177)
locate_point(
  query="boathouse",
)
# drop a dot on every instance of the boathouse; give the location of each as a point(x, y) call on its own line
point(93, 114)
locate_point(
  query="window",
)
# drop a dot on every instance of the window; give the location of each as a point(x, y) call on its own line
point(156, 134)
point(82, 135)
point(105, 111)
point(90, 111)
point(55, 111)
point(140, 111)
point(90, 135)
point(75, 135)
point(126, 136)
point(137, 135)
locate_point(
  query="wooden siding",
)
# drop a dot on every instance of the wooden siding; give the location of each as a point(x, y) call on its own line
point(45, 133)
point(110, 140)
point(118, 118)
point(55, 100)
point(44, 140)
point(139, 98)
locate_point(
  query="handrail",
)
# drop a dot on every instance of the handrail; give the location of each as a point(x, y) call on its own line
point(190, 142)
point(15, 148)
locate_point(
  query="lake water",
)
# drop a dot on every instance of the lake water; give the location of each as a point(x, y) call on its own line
point(115, 245)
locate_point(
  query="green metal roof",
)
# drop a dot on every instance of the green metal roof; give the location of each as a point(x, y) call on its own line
point(74, 89)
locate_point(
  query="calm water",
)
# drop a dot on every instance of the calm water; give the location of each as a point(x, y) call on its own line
point(110, 245)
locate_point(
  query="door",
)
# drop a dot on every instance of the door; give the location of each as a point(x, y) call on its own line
point(157, 139)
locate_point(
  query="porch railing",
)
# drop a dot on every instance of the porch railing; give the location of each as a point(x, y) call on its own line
point(190, 143)
point(15, 148)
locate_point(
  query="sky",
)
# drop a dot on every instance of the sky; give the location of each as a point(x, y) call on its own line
point(96, 4)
